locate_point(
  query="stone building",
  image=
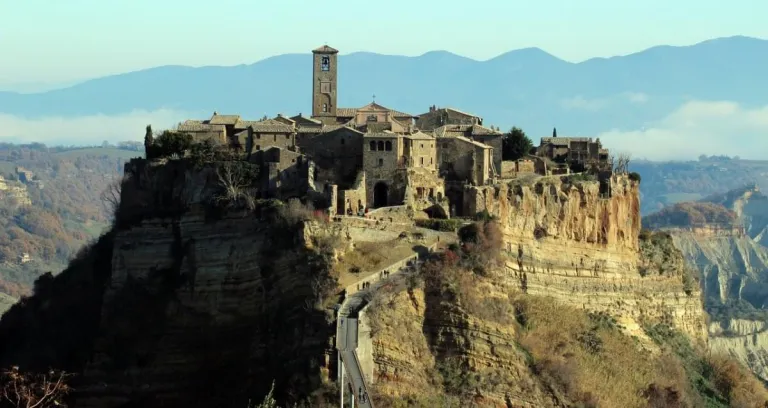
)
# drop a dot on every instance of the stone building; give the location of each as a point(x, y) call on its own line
point(283, 173)
point(360, 158)
point(465, 160)
point(479, 134)
point(437, 117)
point(578, 152)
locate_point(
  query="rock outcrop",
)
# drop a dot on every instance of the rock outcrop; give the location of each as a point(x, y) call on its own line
point(202, 305)
point(570, 240)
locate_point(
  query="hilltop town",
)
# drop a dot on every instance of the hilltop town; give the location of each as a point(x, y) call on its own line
point(359, 159)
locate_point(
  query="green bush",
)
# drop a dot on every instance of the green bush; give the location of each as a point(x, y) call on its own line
point(169, 143)
point(635, 176)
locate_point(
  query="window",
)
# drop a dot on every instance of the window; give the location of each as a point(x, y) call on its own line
point(258, 136)
point(445, 145)
point(381, 162)
point(388, 146)
point(380, 145)
point(325, 107)
point(422, 145)
point(372, 118)
point(422, 161)
point(430, 160)
point(373, 146)
point(258, 147)
point(325, 87)
point(275, 138)
point(342, 141)
point(325, 63)
point(287, 136)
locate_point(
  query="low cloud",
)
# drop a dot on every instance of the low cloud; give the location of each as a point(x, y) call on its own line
point(86, 130)
point(595, 104)
point(636, 97)
point(696, 128)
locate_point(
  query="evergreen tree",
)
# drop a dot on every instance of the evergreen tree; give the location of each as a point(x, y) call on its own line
point(515, 144)
point(554, 132)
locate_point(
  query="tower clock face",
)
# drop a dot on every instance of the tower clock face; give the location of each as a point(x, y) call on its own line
point(325, 63)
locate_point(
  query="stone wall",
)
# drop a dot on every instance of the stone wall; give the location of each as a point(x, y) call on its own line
point(354, 198)
point(338, 155)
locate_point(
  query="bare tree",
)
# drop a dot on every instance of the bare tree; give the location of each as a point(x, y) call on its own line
point(33, 390)
point(621, 163)
point(235, 178)
point(110, 197)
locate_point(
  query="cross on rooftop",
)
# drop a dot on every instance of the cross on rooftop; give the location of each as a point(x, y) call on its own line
point(374, 97)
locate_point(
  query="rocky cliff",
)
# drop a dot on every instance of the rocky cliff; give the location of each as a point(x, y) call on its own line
point(732, 263)
point(186, 302)
point(570, 240)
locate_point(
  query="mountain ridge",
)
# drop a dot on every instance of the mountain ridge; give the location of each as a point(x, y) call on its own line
point(529, 87)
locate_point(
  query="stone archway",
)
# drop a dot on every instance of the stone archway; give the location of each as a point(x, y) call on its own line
point(380, 194)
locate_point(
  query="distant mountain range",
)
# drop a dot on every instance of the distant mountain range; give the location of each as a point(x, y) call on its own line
point(527, 87)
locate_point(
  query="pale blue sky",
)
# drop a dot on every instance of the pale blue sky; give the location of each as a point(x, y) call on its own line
point(50, 41)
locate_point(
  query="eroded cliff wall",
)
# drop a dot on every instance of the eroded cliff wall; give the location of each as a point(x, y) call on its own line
point(567, 239)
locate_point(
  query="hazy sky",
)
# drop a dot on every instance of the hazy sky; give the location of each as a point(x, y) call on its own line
point(50, 41)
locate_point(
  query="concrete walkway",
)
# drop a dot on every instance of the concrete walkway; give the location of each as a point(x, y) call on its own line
point(347, 327)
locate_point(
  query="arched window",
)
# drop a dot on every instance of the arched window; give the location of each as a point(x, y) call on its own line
point(381, 145)
point(325, 107)
point(381, 162)
point(373, 146)
point(388, 146)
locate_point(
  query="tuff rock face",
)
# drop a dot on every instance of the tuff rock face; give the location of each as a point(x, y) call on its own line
point(208, 313)
point(563, 241)
point(570, 242)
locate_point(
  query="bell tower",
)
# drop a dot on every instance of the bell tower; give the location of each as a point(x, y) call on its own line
point(324, 75)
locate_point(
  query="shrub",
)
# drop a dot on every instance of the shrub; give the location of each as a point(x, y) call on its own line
point(33, 390)
point(449, 225)
point(168, 144)
point(635, 176)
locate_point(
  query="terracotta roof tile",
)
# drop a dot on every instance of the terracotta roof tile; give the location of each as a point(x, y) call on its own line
point(199, 126)
point(325, 49)
point(224, 119)
point(482, 130)
point(345, 112)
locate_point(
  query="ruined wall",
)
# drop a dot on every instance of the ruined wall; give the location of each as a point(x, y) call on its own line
point(351, 200)
point(338, 155)
point(569, 243)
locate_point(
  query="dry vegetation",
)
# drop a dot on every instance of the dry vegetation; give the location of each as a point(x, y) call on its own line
point(581, 359)
point(33, 390)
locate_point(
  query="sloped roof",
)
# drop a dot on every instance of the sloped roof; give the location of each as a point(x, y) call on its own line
point(482, 131)
point(269, 125)
point(217, 119)
point(304, 121)
point(473, 142)
point(420, 136)
point(453, 110)
point(325, 50)
point(199, 126)
point(373, 106)
point(382, 135)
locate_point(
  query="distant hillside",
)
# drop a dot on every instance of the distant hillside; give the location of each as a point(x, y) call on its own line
point(690, 214)
point(528, 87)
point(666, 183)
point(64, 187)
